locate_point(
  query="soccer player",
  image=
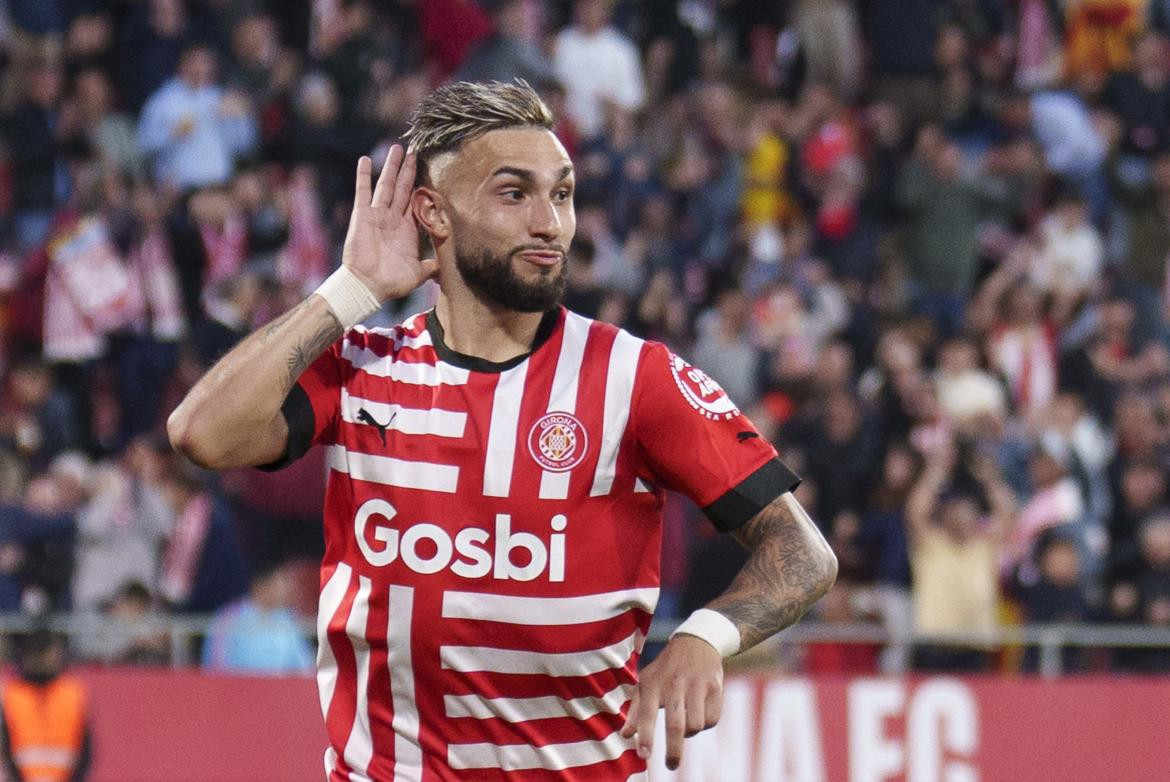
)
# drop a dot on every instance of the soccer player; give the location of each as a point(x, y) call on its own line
point(497, 469)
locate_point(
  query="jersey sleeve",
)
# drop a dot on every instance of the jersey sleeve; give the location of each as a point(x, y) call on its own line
point(312, 407)
point(694, 440)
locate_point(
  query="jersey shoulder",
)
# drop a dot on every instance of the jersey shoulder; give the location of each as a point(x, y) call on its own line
point(382, 341)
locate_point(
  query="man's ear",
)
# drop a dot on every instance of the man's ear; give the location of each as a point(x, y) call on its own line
point(428, 208)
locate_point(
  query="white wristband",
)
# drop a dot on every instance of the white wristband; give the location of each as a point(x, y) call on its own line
point(714, 628)
point(348, 298)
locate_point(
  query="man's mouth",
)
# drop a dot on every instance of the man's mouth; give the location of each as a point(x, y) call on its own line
point(542, 257)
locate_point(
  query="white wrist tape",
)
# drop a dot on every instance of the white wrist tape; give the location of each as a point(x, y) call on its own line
point(348, 298)
point(714, 628)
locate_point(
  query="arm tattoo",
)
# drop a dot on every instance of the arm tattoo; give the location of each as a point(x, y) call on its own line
point(789, 568)
point(307, 351)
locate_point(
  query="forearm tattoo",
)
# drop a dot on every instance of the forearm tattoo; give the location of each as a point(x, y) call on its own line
point(304, 352)
point(790, 567)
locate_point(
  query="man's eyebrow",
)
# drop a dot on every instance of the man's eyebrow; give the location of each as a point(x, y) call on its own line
point(528, 176)
point(519, 173)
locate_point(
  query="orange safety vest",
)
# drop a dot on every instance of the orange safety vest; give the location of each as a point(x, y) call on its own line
point(46, 727)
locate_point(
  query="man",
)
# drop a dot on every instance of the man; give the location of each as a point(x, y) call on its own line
point(192, 129)
point(45, 728)
point(498, 466)
point(597, 64)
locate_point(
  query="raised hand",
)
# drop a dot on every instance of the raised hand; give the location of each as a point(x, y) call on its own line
point(381, 243)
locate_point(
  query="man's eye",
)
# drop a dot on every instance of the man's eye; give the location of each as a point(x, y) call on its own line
point(564, 194)
point(513, 194)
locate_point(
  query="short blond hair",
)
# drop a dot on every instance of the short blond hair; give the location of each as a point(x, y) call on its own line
point(462, 111)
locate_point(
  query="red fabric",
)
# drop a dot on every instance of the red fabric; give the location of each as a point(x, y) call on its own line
point(425, 456)
point(450, 29)
point(688, 430)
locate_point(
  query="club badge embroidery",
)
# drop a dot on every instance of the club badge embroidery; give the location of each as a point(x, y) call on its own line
point(558, 442)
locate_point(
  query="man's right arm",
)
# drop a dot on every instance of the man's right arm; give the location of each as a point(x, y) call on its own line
point(232, 416)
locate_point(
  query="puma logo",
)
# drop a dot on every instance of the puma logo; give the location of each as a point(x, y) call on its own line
point(365, 417)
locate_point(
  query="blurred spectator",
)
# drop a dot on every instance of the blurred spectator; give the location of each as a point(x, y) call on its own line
point(110, 133)
point(123, 527)
point(192, 129)
point(968, 395)
point(37, 420)
point(882, 535)
point(1054, 502)
point(1099, 34)
point(1069, 255)
point(954, 556)
point(37, 537)
point(506, 54)
point(725, 350)
point(322, 138)
point(944, 207)
point(1073, 147)
point(203, 568)
point(1143, 594)
point(1055, 593)
point(596, 63)
point(259, 634)
point(150, 46)
point(1146, 225)
point(1140, 97)
point(33, 131)
point(127, 631)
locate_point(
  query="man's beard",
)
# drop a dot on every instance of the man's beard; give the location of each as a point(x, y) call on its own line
point(493, 280)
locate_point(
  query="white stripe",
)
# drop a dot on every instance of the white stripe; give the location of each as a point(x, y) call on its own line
point(396, 335)
point(408, 420)
point(389, 471)
point(542, 708)
point(619, 388)
point(331, 596)
point(555, 485)
point(501, 445)
point(642, 487)
point(555, 757)
point(359, 750)
point(641, 776)
point(419, 373)
point(583, 663)
point(336, 458)
point(407, 751)
point(537, 611)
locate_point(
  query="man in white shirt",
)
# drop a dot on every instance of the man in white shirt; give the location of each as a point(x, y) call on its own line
point(596, 63)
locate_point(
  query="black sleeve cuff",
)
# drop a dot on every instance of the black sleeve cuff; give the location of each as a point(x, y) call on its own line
point(298, 413)
point(752, 495)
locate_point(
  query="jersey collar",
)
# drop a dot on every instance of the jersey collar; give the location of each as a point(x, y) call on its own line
point(548, 325)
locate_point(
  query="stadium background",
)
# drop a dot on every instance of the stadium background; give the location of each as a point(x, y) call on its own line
point(898, 233)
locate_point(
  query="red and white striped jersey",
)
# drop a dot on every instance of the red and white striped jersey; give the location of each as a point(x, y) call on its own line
point(492, 542)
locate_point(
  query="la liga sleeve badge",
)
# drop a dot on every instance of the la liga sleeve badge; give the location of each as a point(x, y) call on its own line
point(558, 441)
point(701, 391)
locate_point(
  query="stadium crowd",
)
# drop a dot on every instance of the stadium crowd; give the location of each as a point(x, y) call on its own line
point(922, 244)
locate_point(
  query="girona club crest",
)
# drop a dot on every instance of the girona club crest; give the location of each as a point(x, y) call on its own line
point(558, 442)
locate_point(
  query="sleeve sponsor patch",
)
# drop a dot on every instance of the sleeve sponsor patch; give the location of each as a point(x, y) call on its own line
point(701, 391)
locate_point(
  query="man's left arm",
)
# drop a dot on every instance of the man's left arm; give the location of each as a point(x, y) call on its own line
point(790, 566)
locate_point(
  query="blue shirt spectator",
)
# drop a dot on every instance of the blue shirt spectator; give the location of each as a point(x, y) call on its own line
point(192, 128)
point(259, 634)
